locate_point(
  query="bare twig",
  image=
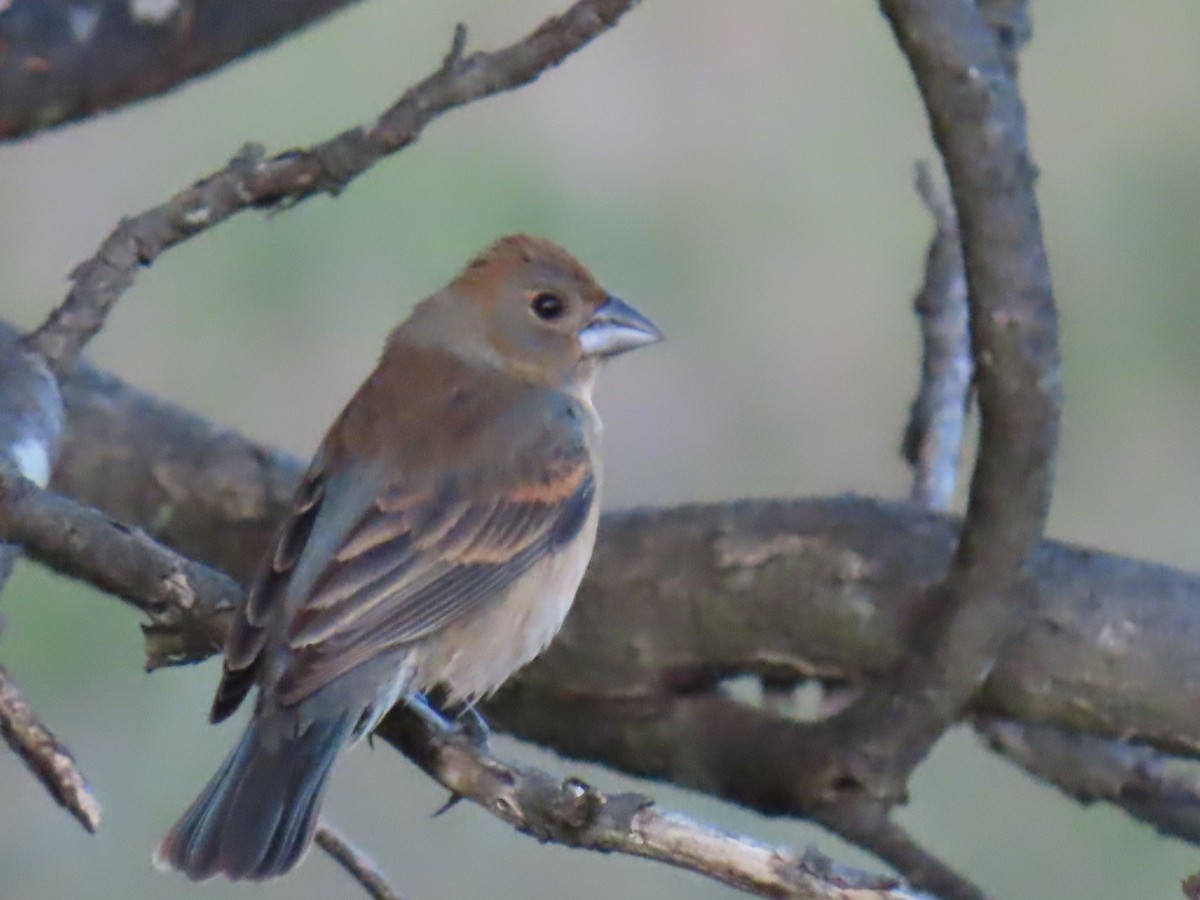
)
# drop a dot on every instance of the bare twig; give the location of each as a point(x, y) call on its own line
point(979, 125)
point(1011, 27)
point(45, 756)
point(187, 602)
point(575, 814)
point(1087, 768)
point(934, 435)
point(31, 424)
point(1138, 779)
point(932, 446)
point(252, 181)
point(66, 61)
point(871, 827)
point(356, 863)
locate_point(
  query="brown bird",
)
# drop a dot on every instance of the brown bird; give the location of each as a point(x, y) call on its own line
point(436, 541)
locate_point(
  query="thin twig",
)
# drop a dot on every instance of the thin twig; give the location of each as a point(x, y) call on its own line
point(187, 602)
point(870, 826)
point(251, 181)
point(62, 62)
point(48, 759)
point(356, 863)
point(1088, 768)
point(31, 425)
point(934, 436)
point(574, 814)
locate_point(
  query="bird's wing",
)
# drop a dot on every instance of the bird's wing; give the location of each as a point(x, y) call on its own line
point(418, 558)
point(248, 634)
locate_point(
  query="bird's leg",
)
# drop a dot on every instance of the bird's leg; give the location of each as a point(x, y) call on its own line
point(433, 717)
point(467, 722)
point(463, 720)
point(471, 724)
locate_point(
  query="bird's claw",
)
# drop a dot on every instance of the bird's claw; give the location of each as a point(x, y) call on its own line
point(452, 801)
point(471, 725)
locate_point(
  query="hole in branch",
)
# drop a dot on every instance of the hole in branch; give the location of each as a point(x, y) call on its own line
point(847, 784)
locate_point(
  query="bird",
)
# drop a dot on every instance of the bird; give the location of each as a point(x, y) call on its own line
point(435, 543)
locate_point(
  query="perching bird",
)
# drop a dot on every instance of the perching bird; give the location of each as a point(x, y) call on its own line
point(437, 540)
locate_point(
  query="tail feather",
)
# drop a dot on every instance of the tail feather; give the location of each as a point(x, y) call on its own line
point(257, 815)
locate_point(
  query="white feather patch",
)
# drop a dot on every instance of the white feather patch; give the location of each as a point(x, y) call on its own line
point(32, 460)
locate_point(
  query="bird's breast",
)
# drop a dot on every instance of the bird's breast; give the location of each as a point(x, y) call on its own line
point(474, 656)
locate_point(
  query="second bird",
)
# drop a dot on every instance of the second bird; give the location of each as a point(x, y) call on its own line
point(437, 540)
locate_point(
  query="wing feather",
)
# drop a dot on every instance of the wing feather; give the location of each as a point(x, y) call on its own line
point(437, 559)
point(411, 559)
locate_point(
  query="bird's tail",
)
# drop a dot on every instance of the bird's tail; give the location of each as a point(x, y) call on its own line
point(257, 815)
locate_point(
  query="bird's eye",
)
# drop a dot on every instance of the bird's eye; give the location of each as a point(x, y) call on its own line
point(548, 306)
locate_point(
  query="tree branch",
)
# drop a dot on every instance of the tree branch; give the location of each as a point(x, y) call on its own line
point(251, 181)
point(870, 826)
point(784, 589)
point(187, 603)
point(64, 61)
point(533, 801)
point(979, 126)
point(933, 438)
point(1085, 767)
point(44, 755)
point(845, 767)
point(572, 813)
point(31, 420)
point(31, 424)
point(355, 863)
point(1088, 768)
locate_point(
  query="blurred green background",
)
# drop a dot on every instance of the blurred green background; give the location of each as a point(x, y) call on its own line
point(744, 177)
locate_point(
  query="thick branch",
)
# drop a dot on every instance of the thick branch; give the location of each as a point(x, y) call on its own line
point(979, 126)
point(567, 812)
point(63, 60)
point(783, 589)
point(31, 420)
point(252, 181)
point(1138, 779)
point(1085, 767)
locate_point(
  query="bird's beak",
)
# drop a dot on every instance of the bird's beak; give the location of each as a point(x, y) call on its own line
point(616, 327)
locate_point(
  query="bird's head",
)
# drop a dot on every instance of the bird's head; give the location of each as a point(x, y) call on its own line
point(528, 307)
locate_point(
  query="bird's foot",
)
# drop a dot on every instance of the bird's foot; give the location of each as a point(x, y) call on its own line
point(471, 725)
point(435, 721)
point(466, 722)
